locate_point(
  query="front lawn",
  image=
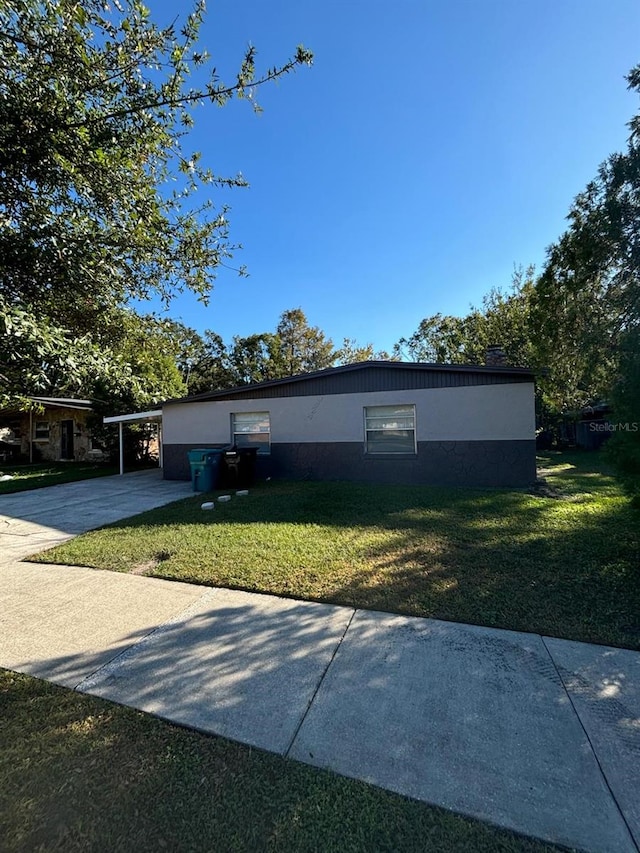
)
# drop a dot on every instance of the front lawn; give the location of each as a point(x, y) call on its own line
point(564, 562)
point(26, 477)
point(81, 774)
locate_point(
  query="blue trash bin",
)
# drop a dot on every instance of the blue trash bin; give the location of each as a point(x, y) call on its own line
point(204, 463)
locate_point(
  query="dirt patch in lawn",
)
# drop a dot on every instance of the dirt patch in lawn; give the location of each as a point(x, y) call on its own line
point(542, 489)
point(149, 566)
point(144, 568)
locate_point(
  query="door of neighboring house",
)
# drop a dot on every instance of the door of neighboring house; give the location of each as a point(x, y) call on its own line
point(66, 439)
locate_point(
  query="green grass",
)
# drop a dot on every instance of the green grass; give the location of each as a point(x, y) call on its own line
point(565, 567)
point(37, 476)
point(81, 774)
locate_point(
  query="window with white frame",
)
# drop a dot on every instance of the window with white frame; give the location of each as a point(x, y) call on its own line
point(251, 429)
point(390, 429)
point(41, 431)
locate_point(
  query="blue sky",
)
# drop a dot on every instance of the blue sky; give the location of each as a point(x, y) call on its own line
point(433, 145)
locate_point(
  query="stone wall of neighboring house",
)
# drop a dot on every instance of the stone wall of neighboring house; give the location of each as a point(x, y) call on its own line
point(47, 440)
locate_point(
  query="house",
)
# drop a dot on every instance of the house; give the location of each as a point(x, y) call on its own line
point(56, 431)
point(593, 427)
point(377, 422)
point(588, 428)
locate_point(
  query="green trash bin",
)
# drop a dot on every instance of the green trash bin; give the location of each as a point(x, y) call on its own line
point(204, 463)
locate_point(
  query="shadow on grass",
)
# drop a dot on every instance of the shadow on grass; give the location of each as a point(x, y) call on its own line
point(82, 774)
point(565, 568)
point(248, 670)
point(40, 475)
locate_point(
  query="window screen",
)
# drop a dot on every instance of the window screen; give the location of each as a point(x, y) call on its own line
point(390, 429)
point(251, 429)
point(41, 430)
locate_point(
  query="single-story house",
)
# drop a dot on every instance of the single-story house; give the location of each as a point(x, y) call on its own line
point(57, 430)
point(593, 427)
point(376, 421)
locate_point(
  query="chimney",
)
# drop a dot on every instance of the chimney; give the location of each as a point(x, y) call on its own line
point(495, 356)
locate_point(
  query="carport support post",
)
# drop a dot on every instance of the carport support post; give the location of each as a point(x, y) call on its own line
point(121, 448)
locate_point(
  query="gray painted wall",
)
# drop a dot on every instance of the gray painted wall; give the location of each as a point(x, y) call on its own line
point(473, 413)
point(473, 435)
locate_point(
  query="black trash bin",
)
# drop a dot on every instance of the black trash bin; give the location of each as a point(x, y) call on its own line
point(230, 469)
point(205, 468)
point(247, 474)
point(238, 469)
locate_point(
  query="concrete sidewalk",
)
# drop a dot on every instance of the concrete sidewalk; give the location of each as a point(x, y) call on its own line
point(538, 735)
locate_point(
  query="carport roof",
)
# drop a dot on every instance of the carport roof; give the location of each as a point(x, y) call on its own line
point(63, 402)
point(135, 417)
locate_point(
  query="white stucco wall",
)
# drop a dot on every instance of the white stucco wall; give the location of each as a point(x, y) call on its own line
point(474, 413)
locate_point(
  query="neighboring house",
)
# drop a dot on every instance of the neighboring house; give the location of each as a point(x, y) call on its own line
point(588, 429)
point(593, 427)
point(57, 432)
point(379, 422)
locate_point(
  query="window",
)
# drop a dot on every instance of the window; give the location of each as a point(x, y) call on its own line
point(95, 444)
point(41, 431)
point(251, 429)
point(390, 429)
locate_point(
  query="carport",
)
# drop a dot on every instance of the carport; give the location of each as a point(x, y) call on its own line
point(153, 416)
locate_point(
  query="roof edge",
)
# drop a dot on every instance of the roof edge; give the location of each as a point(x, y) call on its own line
point(133, 417)
point(346, 368)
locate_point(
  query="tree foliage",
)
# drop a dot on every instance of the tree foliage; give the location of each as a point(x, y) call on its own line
point(587, 300)
point(94, 109)
point(503, 318)
point(351, 352)
point(98, 188)
point(301, 348)
point(202, 360)
point(624, 444)
point(38, 356)
point(254, 358)
point(208, 364)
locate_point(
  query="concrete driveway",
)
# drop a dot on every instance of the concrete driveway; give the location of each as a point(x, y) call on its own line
point(538, 735)
point(39, 519)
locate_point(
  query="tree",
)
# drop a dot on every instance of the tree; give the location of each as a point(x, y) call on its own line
point(295, 347)
point(254, 358)
point(351, 352)
point(584, 299)
point(587, 301)
point(95, 108)
point(624, 445)
point(206, 364)
point(439, 339)
point(41, 358)
point(137, 370)
point(503, 319)
point(301, 348)
point(150, 347)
